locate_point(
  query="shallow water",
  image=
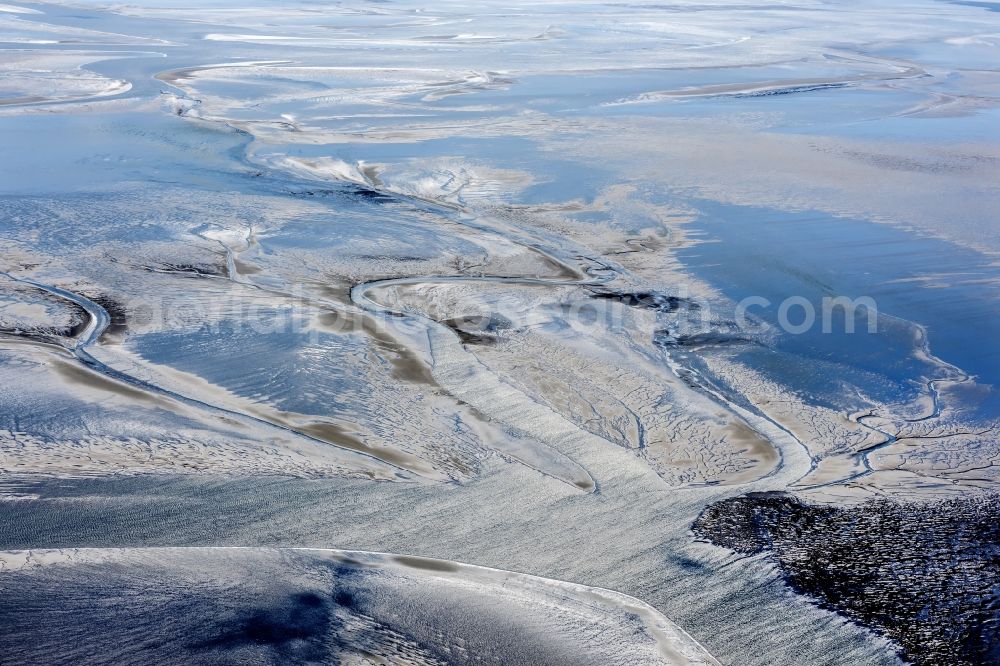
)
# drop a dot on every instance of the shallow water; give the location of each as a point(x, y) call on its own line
point(775, 255)
point(462, 282)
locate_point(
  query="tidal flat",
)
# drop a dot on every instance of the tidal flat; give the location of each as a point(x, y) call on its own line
point(560, 332)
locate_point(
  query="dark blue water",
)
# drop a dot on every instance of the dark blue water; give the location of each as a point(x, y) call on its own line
point(950, 290)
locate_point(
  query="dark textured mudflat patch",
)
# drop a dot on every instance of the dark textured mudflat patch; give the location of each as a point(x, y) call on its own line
point(200, 269)
point(117, 318)
point(927, 576)
point(477, 330)
point(651, 300)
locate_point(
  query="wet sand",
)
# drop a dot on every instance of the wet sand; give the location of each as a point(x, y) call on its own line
point(434, 283)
